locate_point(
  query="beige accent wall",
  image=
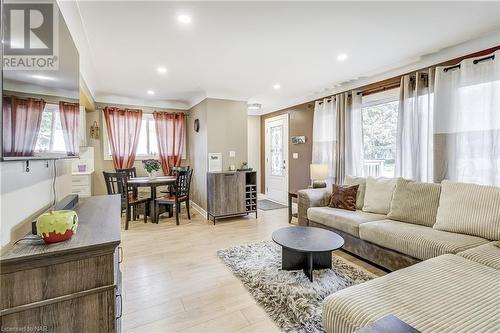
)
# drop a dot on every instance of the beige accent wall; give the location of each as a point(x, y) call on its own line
point(300, 123)
point(223, 128)
point(227, 130)
point(100, 164)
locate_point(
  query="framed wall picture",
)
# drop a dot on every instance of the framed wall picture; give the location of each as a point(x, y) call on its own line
point(214, 162)
point(298, 140)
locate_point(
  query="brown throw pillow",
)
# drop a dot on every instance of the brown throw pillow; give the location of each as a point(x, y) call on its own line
point(497, 244)
point(344, 197)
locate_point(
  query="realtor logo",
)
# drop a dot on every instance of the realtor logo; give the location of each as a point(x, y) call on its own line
point(30, 36)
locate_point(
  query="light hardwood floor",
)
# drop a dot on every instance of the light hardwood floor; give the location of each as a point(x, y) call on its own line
point(173, 280)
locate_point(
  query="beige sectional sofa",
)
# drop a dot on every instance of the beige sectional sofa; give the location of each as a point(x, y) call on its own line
point(438, 239)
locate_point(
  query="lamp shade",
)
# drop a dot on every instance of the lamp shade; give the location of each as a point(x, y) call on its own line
point(319, 171)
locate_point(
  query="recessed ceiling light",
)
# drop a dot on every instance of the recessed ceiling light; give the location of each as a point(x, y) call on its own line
point(342, 57)
point(184, 18)
point(43, 77)
point(151, 92)
point(276, 86)
point(254, 106)
point(161, 70)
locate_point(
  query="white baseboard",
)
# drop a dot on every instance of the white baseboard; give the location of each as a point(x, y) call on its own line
point(198, 208)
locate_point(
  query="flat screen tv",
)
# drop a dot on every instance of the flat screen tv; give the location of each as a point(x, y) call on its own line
point(40, 83)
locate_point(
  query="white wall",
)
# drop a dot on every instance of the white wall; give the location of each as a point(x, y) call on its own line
point(254, 146)
point(24, 195)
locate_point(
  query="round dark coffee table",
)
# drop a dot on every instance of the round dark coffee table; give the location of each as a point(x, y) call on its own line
point(306, 248)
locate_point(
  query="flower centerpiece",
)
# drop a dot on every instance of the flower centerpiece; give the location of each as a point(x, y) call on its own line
point(151, 166)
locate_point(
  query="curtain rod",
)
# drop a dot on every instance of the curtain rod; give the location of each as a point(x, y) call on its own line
point(377, 89)
point(475, 62)
point(186, 113)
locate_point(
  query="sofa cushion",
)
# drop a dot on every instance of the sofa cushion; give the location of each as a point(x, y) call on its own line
point(416, 240)
point(341, 219)
point(444, 294)
point(360, 196)
point(343, 197)
point(415, 202)
point(378, 195)
point(469, 209)
point(487, 254)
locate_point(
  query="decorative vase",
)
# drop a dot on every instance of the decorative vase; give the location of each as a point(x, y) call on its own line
point(152, 174)
point(57, 226)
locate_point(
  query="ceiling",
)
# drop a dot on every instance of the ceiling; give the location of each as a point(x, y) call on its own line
point(239, 50)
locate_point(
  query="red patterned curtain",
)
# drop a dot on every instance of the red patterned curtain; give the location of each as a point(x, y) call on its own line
point(170, 133)
point(124, 126)
point(21, 125)
point(70, 118)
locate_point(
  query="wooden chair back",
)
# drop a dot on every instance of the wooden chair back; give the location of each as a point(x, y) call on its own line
point(183, 182)
point(116, 183)
point(131, 173)
point(176, 169)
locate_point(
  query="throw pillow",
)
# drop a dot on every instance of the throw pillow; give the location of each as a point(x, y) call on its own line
point(344, 197)
point(360, 197)
point(469, 209)
point(378, 194)
point(415, 202)
point(497, 244)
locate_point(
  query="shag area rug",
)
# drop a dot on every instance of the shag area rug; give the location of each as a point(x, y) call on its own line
point(289, 298)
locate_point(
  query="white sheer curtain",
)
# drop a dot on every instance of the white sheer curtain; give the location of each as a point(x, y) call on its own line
point(354, 137)
point(467, 121)
point(324, 135)
point(414, 139)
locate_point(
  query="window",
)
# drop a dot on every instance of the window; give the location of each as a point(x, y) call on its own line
point(277, 166)
point(380, 119)
point(148, 145)
point(50, 138)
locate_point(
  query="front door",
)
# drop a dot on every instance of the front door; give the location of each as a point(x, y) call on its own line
point(276, 155)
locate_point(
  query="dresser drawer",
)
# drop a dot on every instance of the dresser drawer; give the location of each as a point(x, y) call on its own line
point(82, 190)
point(80, 180)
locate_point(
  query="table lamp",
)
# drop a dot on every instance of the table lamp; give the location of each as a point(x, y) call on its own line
point(319, 173)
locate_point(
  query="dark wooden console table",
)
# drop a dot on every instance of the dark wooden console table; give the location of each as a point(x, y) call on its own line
point(231, 193)
point(71, 286)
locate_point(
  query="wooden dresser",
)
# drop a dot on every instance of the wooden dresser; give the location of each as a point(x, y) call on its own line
point(72, 286)
point(231, 193)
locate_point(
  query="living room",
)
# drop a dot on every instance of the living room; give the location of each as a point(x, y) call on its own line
point(250, 166)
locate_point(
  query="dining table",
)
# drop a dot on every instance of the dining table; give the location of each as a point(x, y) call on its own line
point(152, 183)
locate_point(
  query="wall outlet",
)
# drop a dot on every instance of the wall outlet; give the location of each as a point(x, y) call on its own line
point(295, 156)
point(232, 153)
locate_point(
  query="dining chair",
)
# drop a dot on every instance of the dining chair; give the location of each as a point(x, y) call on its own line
point(180, 194)
point(116, 183)
point(131, 173)
point(174, 170)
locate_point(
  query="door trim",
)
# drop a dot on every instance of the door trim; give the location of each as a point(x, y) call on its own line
point(286, 118)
